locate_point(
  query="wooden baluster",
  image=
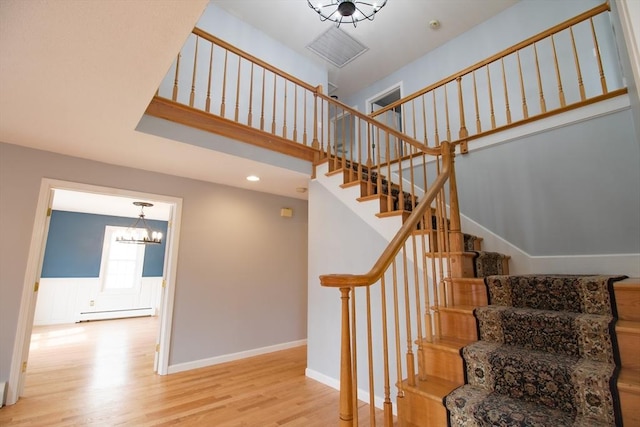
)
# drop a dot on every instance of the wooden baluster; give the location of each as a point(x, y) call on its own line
point(250, 115)
point(193, 79)
point(577, 62)
point(174, 96)
point(475, 98)
point(354, 356)
point(387, 405)
point(396, 317)
point(424, 122)
point(352, 137)
point(262, 101)
point(237, 113)
point(463, 127)
point(273, 110)
point(603, 81)
point(304, 127)
point(563, 103)
point(388, 164)
point(315, 142)
point(284, 112)
point(457, 240)
point(525, 109)
point(543, 104)
point(446, 112)
point(411, 370)
point(369, 162)
point(358, 127)
point(224, 83)
point(493, 115)
point(346, 389)
point(295, 113)
point(506, 93)
point(207, 106)
point(372, 405)
point(435, 119)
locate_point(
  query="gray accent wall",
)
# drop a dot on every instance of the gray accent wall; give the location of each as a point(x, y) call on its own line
point(242, 268)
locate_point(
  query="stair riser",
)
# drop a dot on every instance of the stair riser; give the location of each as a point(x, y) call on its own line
point(458, 325)
point(443, 364)
point(415, 410)
point(468, 294)
point(628, 302)
point(462, 266)
point(630, 405)
point(629, 346)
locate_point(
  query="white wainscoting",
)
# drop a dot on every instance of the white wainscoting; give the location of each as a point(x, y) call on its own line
point(70, 300)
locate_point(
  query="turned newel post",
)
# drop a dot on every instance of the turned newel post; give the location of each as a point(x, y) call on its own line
point(346, 387)
point(460, 264)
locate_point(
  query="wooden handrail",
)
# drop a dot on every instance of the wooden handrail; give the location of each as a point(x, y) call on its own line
point(604, 7)
point(402, 136)
point(231, 48)
point(385, 259)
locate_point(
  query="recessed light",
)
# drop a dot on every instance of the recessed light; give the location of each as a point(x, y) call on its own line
point(253, 178)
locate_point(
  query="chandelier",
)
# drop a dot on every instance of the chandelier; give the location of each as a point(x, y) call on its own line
point(340, 11)
point(140, 232)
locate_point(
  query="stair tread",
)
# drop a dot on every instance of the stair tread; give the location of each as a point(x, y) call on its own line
point(628, 283)
point(432, 387)
point(392, 213)
point(629, 326)
point(464, 309)
point(350, 184)
point(629, 380)
point(465, 280)
point(448, 343)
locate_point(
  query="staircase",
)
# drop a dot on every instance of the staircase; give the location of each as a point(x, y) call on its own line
point(441, 367)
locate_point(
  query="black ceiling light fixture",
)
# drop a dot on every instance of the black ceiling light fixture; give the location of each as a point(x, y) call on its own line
point(140, 232)
point(340, 11)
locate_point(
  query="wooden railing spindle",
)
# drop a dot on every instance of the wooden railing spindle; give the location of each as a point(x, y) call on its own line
point(193, 79)
point(603, 80)
point(577, 62)
point(273, 109)
point(475, 99)
point(346, 376)
point(506, 93)
point(525, 110)
point(224, 84)
point(250, 113)
point(238, 78)
point(207, 106)
point(563, 102)
point(174, 96)
point(543, 105)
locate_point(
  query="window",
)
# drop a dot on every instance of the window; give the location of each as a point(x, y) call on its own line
point(121, 267)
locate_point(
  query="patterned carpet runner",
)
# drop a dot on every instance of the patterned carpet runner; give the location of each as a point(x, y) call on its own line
point(546, 357)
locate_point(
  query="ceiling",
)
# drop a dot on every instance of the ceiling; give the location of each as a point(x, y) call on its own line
point(399, 34)
point(72, 81)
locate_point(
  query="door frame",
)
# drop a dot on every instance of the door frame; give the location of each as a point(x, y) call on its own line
point(15, 385)
point(369, 102)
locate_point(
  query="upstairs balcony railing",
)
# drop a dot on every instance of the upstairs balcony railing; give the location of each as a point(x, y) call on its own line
point(565, 67)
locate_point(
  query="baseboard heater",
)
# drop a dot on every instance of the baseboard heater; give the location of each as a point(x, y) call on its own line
point(116, 314)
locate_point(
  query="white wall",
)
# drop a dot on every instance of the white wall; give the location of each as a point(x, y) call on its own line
point(242, 269)
point(73, 299)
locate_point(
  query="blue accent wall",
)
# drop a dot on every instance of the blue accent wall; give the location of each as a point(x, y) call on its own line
point(74, 245)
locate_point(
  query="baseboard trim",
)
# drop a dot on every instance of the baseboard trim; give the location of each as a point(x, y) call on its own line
point(202, 363)
point(363, 395)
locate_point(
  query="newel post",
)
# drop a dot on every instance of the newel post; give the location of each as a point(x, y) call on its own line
point(346, 386)
point(460, 264)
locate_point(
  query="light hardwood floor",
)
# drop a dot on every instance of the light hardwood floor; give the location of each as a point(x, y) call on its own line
point(100, 374)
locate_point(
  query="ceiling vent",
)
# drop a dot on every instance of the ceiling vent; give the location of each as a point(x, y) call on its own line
point(337, 47)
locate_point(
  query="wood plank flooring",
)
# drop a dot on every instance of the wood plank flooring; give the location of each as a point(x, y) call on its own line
point(100, 374)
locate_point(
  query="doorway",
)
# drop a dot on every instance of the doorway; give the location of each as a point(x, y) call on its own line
point(111, 197)
point(392, 118)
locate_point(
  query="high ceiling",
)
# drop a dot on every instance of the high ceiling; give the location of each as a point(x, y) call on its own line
point(72, 80)
point(399, 34)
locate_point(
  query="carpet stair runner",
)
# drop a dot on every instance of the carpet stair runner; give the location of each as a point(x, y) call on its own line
point(547, 355)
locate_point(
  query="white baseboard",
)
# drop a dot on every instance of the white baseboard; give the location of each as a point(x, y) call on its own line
point(3, 387)
point(363, 395)
point(180, 367)
point(116, 314)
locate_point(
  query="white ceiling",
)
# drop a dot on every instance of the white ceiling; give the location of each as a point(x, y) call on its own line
point(72, 80)
point(399, 34)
